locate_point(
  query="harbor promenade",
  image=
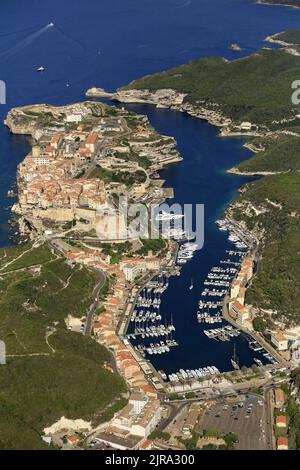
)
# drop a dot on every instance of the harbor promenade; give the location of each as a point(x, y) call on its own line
point(255, 335)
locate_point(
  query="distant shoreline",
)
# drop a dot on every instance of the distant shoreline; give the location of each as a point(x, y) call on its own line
point(265, 2)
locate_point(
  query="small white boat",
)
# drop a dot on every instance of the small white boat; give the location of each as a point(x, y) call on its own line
point(258, 362)
point(41, 69)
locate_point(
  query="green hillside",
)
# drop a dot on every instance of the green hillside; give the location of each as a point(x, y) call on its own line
point(277, 284)
point(50, 372)
point(256, 88)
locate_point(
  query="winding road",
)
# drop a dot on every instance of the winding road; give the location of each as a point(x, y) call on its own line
point(95, 304)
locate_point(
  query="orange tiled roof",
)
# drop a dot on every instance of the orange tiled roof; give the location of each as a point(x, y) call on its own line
point(282, 441)
point(281, 419)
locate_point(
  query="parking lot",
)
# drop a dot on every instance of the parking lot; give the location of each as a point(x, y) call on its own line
point(246, 417)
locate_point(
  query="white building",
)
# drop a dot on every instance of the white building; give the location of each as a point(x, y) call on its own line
point(132, 271)
point(138, 401)
point(42, 160)
point(75, 117)
point(279, 341)
point(246, 126)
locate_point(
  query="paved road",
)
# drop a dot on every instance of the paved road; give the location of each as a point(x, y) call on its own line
point(270, 419)
point(95, 304)
point(174, 410)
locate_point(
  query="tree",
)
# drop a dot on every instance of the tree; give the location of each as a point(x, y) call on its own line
point(230, 439)
point(259, 324)
point(159, 434)
point(189, 395)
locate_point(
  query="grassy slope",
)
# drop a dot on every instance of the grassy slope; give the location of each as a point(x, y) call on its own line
point(256, 88)
point(37, 390)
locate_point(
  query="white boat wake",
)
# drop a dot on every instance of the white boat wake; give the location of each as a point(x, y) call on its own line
point(25, 42)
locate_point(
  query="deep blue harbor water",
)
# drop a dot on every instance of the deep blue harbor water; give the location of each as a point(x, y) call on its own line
point(108, 43)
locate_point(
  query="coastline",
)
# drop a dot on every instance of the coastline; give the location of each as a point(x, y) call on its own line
point(265, 2)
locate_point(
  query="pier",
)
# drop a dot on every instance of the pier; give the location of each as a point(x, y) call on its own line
point(222, 334)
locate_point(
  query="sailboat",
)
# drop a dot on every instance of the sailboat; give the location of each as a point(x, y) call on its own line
point(192, 285)
point(234, 360)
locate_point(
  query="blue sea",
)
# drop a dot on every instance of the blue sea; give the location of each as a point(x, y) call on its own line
point(108, 43)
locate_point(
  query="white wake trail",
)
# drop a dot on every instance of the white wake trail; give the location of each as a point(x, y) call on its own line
point(25, 42)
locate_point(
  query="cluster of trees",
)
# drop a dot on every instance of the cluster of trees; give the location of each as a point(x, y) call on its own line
point(158, 434)
point(122, 177)
point(155, 245)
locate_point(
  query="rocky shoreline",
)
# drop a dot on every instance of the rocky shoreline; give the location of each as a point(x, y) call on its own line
point(287, 4)
point(171, 99)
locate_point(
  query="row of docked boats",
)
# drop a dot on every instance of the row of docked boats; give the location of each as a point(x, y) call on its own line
point(194, 374)
point(167, 216)
point(217, 283)
point(215, 287)
point(152, 331)
point(235, 237)
point(186, 252)
point(156, 348)
point(270, 358)
point(221, 270)
point(230, 262)
point(145, 321)
point(206, 317)
point(222, 334)
point(177, 234)
point(142, 316)
point(146, 300)
point(158, 285)
point(255, 346)
point(171, 226)
point(213, 292)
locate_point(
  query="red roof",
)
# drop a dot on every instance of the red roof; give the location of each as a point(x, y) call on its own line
point(281, 419)
point(92, 138)
point(282, 441)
